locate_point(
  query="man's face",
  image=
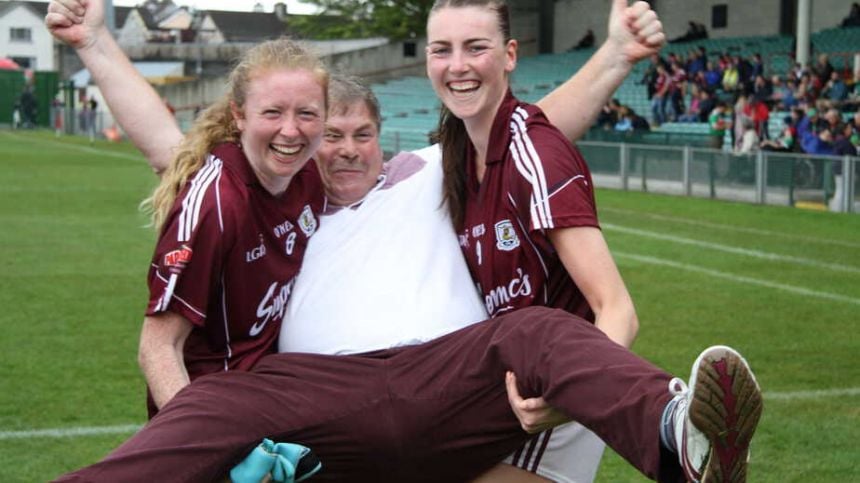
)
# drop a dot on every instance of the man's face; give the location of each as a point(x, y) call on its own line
point(350, 158)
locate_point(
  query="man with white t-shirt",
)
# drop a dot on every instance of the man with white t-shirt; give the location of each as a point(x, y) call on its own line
point(386, 250)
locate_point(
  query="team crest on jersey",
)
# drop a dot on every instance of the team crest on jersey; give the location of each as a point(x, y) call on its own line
point(178, 258)
point(506, 237)
point(307, 222)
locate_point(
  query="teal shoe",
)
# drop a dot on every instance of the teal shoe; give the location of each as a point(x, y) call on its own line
point(282, 462)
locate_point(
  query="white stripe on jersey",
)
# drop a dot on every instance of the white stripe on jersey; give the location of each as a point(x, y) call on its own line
point(518, 153)
point(226, 323)
point(193, 200)
point(531, 244)
point(530, 157)
point(162, 302)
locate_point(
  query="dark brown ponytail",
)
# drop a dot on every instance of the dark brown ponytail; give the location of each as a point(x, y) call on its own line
point(454, 140)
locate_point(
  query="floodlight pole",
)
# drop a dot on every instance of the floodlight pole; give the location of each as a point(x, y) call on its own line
point(804, 20)
point(110, 17)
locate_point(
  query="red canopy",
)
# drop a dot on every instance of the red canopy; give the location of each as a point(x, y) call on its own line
point(8, 64)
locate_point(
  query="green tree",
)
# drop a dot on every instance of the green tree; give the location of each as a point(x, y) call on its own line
point(396, 19)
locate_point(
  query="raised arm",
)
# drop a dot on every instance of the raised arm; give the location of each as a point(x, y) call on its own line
point(635, 33)
point(134, 103)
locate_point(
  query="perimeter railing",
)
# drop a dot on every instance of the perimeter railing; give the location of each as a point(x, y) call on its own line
point(763, 177)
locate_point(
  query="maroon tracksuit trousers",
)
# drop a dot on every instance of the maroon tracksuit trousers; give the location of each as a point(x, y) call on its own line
point(432, 412)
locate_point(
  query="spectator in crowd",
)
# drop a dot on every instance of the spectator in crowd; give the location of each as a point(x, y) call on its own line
point(661, 95)
point(823, 69)
point(847, 141)
point(713, 76)
point(785, 141)
point(745, 73)
point(609, 115)
point(624, 123)
point(638, 122)
point(16, 115)
point(677, 89)
point(740, 112)
point(695, 31)
point(696, 61)
point(835, 89)
point(833, 119)
point(707, 103)
point(749, 139)
point(651, 75)
point(814, 138)
point(853, 18)
point(798, 70)
point(762, 88)
point(757, 111)
point(28, 108)
point(718, 123)
point(92, 115)
point(757, 66)
point(693, 112)
point(586, 42)
point(731, 77)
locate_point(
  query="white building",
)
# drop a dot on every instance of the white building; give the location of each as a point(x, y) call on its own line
point(23, 36)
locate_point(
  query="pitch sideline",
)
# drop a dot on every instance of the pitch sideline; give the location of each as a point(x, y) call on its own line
point(739, 229)
point(765, 255)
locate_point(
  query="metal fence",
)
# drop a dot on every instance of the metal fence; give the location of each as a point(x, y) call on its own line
point(764, 177)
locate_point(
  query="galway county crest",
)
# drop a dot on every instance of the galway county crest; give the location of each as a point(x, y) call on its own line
point(506, 237)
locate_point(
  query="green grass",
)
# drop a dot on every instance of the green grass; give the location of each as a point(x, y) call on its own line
point(72, 287)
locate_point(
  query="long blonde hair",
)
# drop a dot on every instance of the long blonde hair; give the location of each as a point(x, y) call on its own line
point(216, 124)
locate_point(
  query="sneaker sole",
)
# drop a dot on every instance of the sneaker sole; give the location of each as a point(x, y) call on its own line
point(727, 406)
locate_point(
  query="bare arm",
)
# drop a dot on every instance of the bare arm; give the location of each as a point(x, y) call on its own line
point(162, 340)
point(585, 255)
point(134, 103)
point(635, 33)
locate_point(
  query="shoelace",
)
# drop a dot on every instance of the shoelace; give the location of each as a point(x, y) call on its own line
point(677, 387)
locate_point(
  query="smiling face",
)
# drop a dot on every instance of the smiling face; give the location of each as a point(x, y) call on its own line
point(350, 158)
point(468, 61)
point(281, 123)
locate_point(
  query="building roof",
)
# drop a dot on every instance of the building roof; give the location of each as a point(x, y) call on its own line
point(248, 26)
point(41, 9)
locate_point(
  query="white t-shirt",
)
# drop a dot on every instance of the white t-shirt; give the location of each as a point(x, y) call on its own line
point(385, 273)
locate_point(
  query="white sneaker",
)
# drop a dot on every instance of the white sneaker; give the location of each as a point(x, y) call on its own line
point(715, 417)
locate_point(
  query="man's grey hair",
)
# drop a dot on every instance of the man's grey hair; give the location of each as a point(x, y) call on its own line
point(344, 91)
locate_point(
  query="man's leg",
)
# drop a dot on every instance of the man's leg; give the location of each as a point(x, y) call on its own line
point(562, 358)
point(214, 422)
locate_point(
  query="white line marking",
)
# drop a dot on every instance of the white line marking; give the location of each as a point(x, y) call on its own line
point(70, 432)
point(85, 149)
point(734, 250)
point(132, 428)
point(741, 229)
point(739, 278)
point(818, 394)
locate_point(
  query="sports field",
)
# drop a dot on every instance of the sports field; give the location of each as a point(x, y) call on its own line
point(780, 284)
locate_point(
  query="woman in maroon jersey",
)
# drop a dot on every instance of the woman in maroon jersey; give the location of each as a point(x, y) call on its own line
point(235, 209)
point(521, 198)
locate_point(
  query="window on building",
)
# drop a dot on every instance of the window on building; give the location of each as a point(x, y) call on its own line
point(25, 62)
point(410, 49)
point(719, 16)
point(20, 35)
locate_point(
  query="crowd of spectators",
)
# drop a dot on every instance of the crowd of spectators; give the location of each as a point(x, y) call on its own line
point(689, 89)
